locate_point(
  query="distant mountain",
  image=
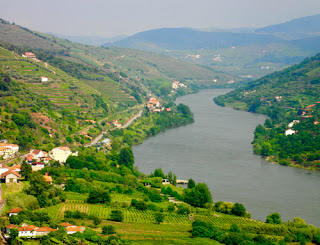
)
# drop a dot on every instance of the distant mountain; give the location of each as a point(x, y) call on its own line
point(190, 39)
point(90, 40)
point(295, 29)
point(311, 43)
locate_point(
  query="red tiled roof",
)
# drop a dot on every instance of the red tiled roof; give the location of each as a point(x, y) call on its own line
point(77, 228)
point(45, 228)
point(29, 157)
point(15, 168)
point(35, 151)
point(11, 226)
point(65, 224)
point(10, 172)
point(15, 210)
point(28, 228)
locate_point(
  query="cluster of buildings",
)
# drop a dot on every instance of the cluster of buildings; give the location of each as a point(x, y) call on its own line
point(306, 113)
point(176, 85)
point(33, 231)
point(154, 105)
point(37, 159)
point(8, 150)
point(30, 55)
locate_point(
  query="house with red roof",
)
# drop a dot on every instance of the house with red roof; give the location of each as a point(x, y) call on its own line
point(29, 55)
point(11, 226)
point(71, 229)
point(27, 231)
point(10, 177)
point(15, 211)
point(43, 231)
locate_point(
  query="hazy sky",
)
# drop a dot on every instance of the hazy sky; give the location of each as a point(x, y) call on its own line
point(108, 18)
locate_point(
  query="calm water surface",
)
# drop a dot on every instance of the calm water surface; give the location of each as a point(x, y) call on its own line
point(217, 150)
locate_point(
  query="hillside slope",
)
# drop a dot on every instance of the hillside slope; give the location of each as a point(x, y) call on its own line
point(304, 27)
point(190, 39)
point(285, 96)
point(109, 61)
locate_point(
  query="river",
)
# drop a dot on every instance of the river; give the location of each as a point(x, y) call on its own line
point(217, 150)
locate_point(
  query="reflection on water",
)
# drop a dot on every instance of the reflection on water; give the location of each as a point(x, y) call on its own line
point(217, 150)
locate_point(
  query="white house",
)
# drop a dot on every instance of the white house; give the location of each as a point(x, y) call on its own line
point(28, 231)
point(61, 154)
point(10, 176)
point(290, 125)
point(289, 132)
point(71, 229)
point(44, 79)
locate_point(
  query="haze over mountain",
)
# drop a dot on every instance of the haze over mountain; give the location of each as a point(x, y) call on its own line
point(215, 38)
point(191, 39)
point(90, 40)
point(244, 52)
point(295, 29)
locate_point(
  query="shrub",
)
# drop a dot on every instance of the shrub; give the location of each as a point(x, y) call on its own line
point(108, 229)
point(116, 215)
point(201, 229)
point(159, 217)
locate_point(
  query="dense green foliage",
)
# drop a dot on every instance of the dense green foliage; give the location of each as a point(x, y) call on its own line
point(266, 235)
point(198, 196)
point(285, 96)
point(99, 196)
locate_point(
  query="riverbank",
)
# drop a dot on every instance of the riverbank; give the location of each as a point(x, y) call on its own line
point(216, 149)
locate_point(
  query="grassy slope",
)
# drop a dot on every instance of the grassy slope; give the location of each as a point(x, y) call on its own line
point(154, 66)
point(298, 85)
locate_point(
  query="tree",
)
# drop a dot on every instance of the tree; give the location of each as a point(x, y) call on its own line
point(198, 196)
point(99, 196)
point(116, 215)
point(274, 218)
point(108, 229)
point(159, 217)
point(239, 210)
point(26, 170)
point(126, 157)
point(191, 183)
point(96, 220)
point(38, 188)
point(159, 173)
point(75, 162)
point(13, 235)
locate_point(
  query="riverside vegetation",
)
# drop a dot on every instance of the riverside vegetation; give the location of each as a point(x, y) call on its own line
point(288, 96)
point(102, 191)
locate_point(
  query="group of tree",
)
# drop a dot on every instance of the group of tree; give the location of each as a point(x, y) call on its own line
point(230, 208)
point(264, 234)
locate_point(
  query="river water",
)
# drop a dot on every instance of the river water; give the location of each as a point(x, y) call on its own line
point(217, 150)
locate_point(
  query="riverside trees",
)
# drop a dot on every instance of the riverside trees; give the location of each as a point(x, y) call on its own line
point(198, 196)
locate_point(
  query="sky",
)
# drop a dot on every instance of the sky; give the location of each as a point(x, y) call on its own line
point(109, 18)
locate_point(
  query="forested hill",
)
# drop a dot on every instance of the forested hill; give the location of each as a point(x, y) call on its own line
point(291, 94)
point(190, 39)
point(298, 86)
point(137, 66)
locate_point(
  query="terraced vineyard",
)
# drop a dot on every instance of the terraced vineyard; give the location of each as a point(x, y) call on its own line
point(133, 215)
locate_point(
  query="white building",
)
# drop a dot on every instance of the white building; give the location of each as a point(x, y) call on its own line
point(44, 79)
point(290, 132)
point(61, 154)
point(290, 125)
